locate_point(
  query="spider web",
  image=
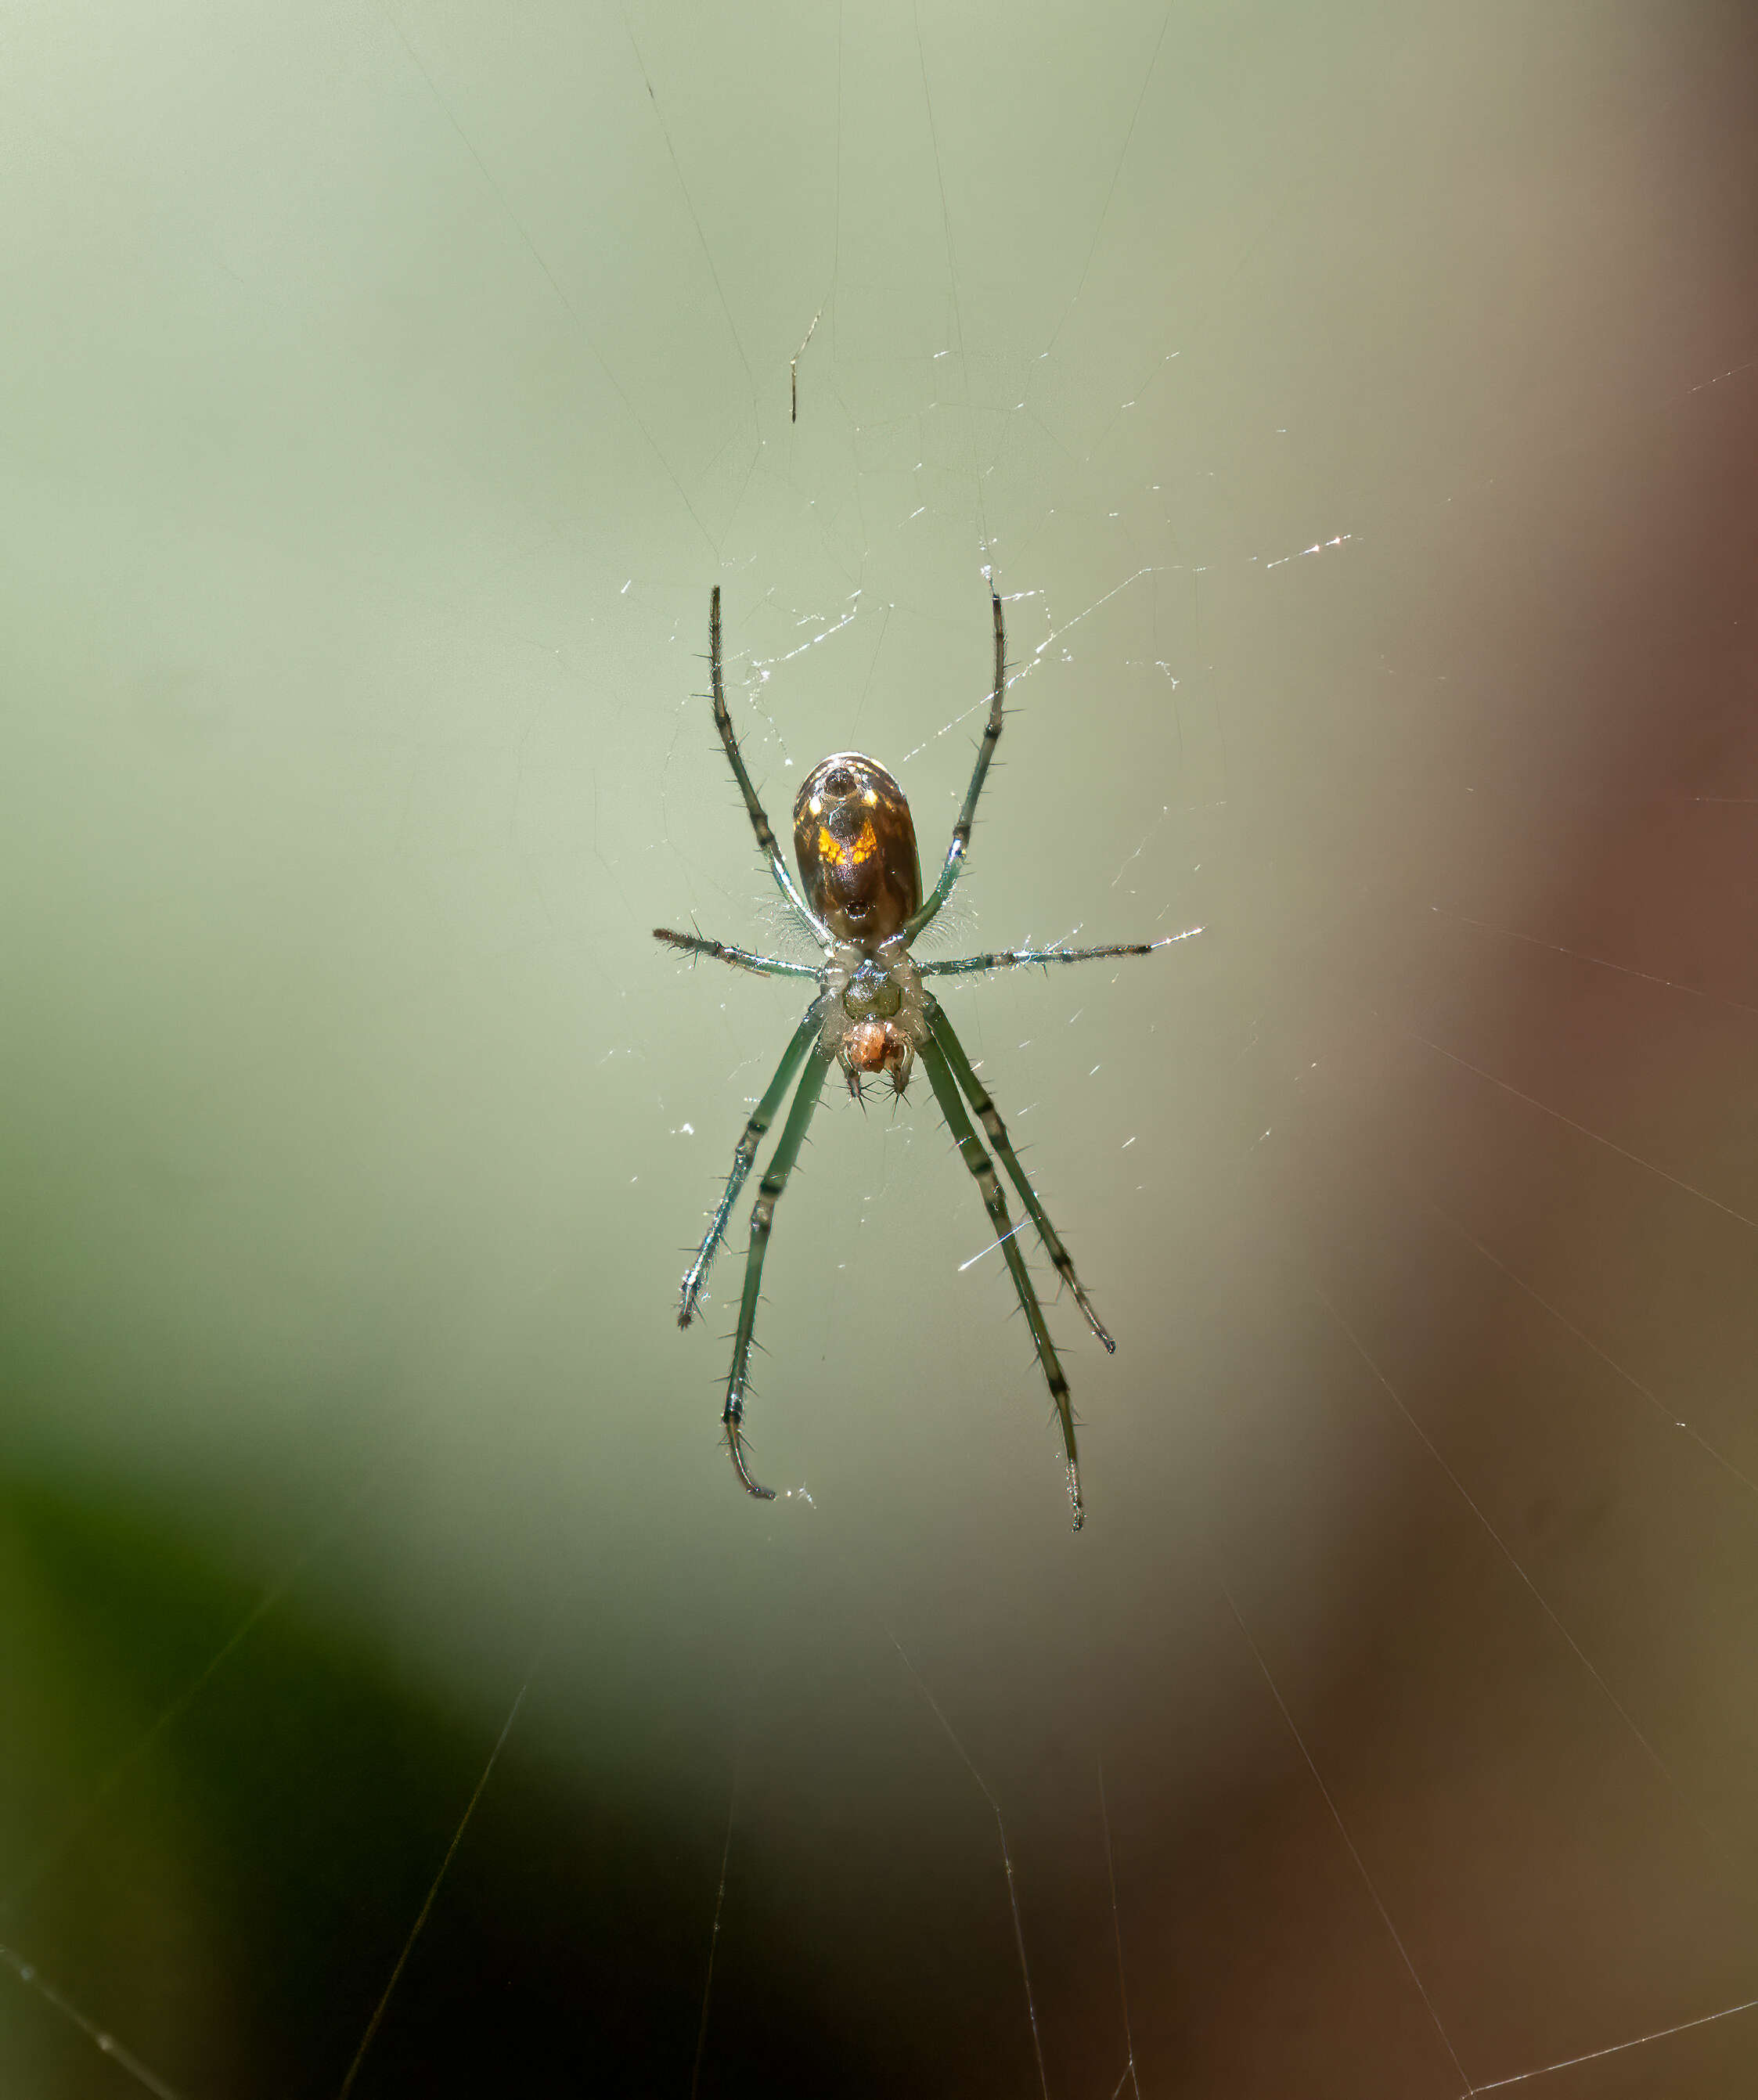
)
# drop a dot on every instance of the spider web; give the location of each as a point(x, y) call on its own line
point(1357, 416)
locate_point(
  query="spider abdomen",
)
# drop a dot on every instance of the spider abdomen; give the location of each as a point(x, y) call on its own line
point(855, 842)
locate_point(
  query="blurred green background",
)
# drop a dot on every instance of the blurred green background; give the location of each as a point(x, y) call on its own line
point(1358, 409)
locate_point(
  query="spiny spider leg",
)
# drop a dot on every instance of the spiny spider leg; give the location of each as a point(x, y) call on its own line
point(764, 966)
point(970, 1146)
point(762, 1216)
point(996, 1131)
point(766, 838)
point(1006, 959)
point(991, 735)
point(745, 1152)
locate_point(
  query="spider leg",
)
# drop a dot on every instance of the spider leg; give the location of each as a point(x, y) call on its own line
point(991, 735)
point(1012, 958)
point(764, 966)
point(743, 1154)
point(762, 1216)
point(970, 1146)
point(766, 838)
point(996, 1131)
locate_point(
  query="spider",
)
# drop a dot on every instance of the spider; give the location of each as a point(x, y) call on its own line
point(860, 894)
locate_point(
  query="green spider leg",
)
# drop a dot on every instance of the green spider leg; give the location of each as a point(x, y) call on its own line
point(1007, 959)
point(991, 736)
point(982, 1172)
point(765, 837)
point(781, 1165)
point(762, 966)
point(744, 1153)
point(996, 1131)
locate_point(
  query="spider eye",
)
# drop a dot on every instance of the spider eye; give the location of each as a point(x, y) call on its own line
point(841, 783)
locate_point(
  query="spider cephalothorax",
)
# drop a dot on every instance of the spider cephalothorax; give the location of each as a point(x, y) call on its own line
point(873, 1014)
point(862, 902)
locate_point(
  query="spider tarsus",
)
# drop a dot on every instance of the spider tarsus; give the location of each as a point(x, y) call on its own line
point(1092, 1319)
point(1074, 1497)
point(735, 1450)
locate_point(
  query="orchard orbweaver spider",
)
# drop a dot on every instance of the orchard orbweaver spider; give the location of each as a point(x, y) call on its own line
point(860, 894)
